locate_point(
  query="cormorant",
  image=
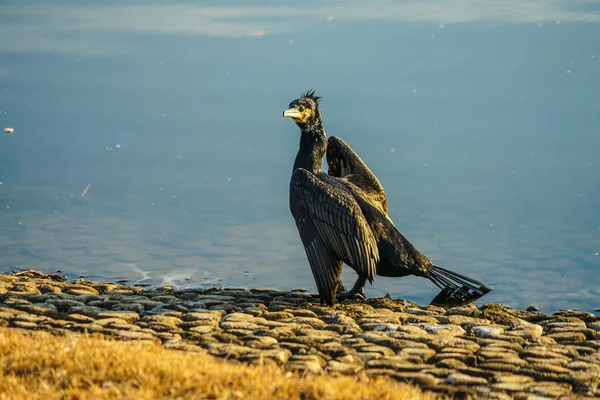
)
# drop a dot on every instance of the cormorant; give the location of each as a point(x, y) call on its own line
point(342, 218)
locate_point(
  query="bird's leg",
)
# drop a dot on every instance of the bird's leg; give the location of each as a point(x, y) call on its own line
point(357, 291)
point(340, 287)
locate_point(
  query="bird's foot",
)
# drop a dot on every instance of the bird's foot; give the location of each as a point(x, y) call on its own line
point(359, 296)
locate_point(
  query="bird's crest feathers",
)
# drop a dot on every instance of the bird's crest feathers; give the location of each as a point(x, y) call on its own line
point(310, 94)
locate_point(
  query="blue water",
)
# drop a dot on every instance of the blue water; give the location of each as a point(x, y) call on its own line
point(480, 119)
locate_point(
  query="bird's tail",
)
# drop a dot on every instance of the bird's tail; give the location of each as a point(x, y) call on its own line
point(457, 289)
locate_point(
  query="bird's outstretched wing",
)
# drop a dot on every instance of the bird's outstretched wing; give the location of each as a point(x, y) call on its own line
point(332, 227)
point(324, 265)
point(343, 162)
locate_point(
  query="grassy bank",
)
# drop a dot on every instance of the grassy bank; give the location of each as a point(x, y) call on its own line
point(37, 365)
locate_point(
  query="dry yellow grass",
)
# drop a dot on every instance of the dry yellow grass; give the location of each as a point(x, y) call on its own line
point(37, 365)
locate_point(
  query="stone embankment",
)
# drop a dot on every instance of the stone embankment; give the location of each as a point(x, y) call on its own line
point(489, 351)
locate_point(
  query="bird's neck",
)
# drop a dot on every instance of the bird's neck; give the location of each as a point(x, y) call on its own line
point(313, 144)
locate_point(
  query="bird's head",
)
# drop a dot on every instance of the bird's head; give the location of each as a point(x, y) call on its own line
point(304, 110)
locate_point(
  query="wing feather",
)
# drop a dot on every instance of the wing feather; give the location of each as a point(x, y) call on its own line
point(337, 220)
point(343, 162)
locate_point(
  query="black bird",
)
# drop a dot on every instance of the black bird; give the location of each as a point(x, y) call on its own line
point(342, 218)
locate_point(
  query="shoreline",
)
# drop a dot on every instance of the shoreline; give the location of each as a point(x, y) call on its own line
point(487, 351)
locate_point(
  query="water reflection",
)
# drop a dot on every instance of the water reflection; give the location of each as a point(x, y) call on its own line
point(479, 118)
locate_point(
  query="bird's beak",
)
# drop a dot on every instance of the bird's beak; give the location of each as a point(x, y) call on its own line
point(292, 113)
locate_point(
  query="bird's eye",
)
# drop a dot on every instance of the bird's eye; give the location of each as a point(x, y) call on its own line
point(301, 108)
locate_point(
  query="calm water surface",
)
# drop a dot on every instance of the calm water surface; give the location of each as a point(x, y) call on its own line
point(480, 119)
